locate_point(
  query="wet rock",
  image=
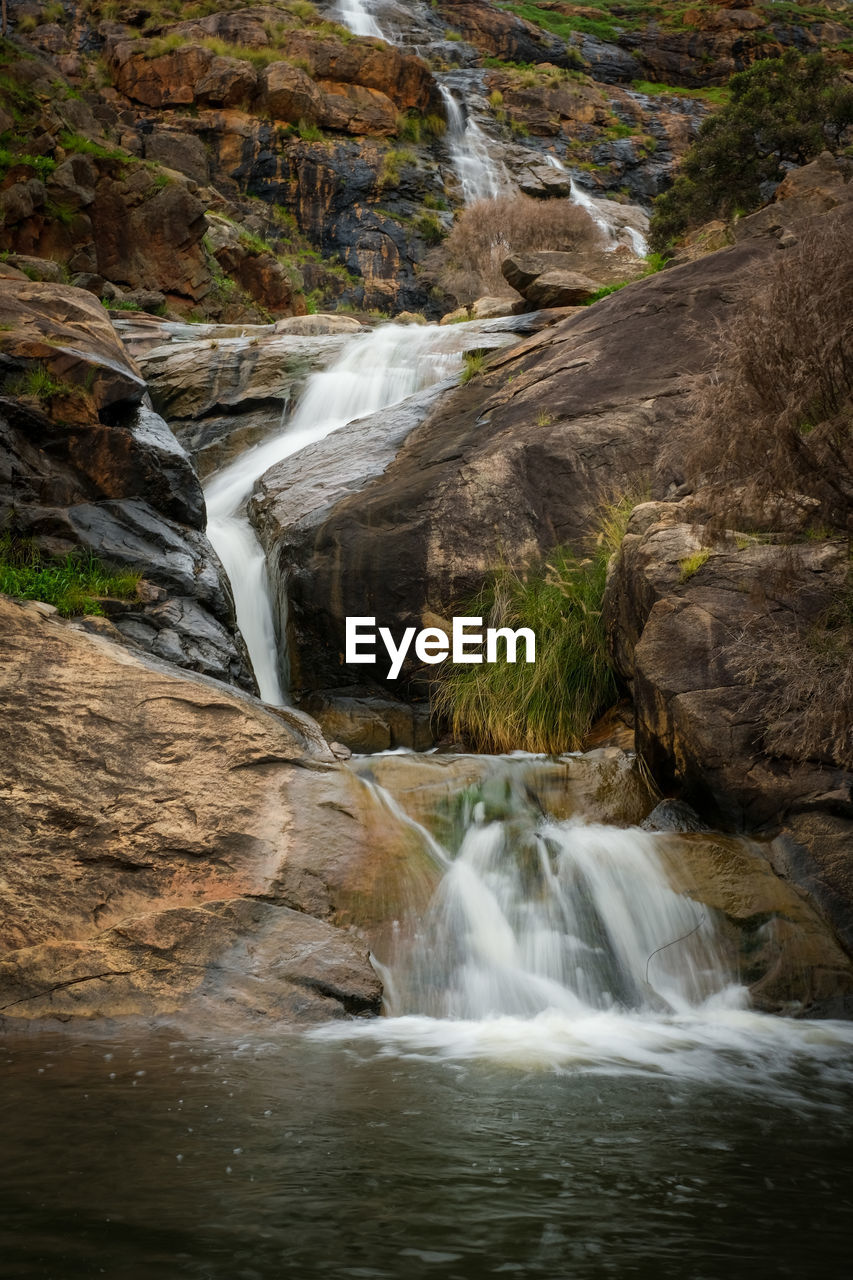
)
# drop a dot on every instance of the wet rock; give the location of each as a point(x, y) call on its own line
point(194, 379)
point(224, 393)
point(167, 838)
point(91, 468)
point(786, 954)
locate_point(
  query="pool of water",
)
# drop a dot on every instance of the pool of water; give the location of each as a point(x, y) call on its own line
point(373, 1156)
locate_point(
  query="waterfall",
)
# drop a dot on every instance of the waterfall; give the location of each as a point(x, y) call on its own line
point(568, 918)
point(481, 177)
point(374, 370)
point(354, 15)
point(562, 941)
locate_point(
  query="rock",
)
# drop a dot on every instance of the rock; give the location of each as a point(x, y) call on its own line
point(505, 36)
point(182, 152)
point(482, 309)
point(149, 237)
point(608, 63)
point(365, 723)
point(699, 720)
point(319, 325)
point(67, 330)
point(561, 289)
point(786, 954)
point(223, 394)
point(93, 469)
point(290, 94)
point(439, 790)
point(510, 465)
point(36, 268)
point(205, 853)
point(524, 271)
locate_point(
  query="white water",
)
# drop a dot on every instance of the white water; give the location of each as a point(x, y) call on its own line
point(355, 16)
point(481, 176)
point(374, 371)
point(562, 944)
point(561, 919)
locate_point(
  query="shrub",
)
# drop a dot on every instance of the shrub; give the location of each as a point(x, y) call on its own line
point(73, 584)
point(786, 109)
point(430, 228)
point(803, 676)
point(551, 704)
point(468, 264)
point(776, 416)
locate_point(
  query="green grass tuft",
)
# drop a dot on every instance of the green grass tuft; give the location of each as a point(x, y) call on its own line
point(75, 585)
point(549, 705)
point(692, 564)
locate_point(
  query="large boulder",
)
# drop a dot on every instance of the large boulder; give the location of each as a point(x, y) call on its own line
point(686, 621)
point(509, 465)
point(172, 844)
point(85, 465)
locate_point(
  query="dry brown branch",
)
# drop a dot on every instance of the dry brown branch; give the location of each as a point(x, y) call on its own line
point(468, 263)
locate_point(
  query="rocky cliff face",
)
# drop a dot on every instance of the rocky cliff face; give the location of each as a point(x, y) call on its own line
point(230, 165)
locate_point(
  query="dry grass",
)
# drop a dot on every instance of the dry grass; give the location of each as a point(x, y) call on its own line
point(776, 418)
point(467, 265)
point(802, 675)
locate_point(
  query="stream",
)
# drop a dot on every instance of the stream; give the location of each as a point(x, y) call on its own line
point(568, 1081)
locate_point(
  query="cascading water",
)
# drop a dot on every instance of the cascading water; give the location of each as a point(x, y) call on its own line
point(564, 920)
point(481, 176)
point(611, 219)
point(563, 941)
point(356, 17)
point(373, 371)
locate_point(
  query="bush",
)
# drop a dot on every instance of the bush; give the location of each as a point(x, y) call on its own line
point(73, 585)
point(468, 264)
point(782, 110)
point(803, 676)
point(776, 417)
point(549, 705)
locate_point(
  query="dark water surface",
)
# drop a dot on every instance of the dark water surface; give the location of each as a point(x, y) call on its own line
point(158, 1158)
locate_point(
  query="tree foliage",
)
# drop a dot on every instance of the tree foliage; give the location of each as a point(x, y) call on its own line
point(783, 111)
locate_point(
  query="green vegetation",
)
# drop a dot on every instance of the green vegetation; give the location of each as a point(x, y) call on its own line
point(74, 585)
point(430, 228)
point(718, 95)
point(309, 132)
point(392, 163)
point(782, 110)
point(42, 166)
point(38, 383)
point(565, 25)
point(474, 363)
point(549, 705)
point(80, 145)
point(692, 564)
